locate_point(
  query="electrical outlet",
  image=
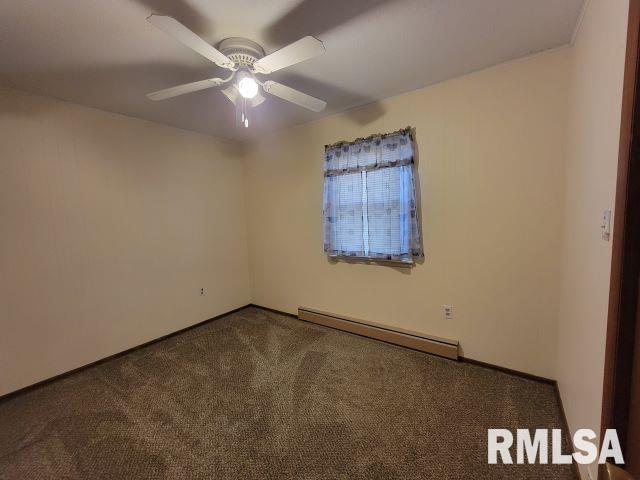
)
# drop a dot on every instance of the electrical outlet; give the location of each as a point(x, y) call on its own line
point(447, 312)
point(201, 291)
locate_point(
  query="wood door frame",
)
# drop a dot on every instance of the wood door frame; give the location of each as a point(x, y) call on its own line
point(625, 261)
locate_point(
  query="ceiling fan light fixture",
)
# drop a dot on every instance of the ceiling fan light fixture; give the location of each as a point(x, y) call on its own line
point(248, 87)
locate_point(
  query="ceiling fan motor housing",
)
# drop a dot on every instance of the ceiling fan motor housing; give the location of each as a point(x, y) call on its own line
point(242, 51)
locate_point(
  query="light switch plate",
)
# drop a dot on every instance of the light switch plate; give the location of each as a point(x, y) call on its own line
point(606, 225)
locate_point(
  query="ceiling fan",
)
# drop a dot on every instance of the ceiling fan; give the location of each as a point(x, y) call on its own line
point(245, 60)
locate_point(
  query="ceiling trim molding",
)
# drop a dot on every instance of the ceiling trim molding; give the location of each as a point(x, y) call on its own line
point(578, 26)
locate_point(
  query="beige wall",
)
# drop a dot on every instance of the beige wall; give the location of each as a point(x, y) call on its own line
point(597, 65)
point(491, 153)
point(110, 227)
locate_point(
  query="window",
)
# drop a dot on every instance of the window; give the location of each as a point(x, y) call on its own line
point(370, 208)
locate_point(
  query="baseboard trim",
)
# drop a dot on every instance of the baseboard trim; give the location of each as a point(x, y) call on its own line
point(397, 336)
point(60, 376)
point(565, 425)
point(273, 310)
point(509, 371)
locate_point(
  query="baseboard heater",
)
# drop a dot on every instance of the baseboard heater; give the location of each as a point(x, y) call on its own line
point(398, 336)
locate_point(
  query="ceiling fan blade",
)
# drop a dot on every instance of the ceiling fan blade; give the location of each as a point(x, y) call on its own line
point(186, 88)
point(296, 52)
point(294, 96)
point(172, 27)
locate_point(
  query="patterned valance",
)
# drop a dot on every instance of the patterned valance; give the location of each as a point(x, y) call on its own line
point(371, 153)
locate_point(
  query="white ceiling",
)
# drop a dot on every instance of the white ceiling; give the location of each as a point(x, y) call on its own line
point(103, 53)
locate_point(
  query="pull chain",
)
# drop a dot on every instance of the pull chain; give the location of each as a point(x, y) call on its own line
point(244, 119)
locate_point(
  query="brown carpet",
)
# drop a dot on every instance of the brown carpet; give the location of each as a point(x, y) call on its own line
point(257, 395)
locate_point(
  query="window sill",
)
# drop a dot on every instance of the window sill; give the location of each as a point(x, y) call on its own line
point(371, 261)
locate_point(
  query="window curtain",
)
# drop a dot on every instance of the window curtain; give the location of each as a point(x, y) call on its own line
point(370, 207)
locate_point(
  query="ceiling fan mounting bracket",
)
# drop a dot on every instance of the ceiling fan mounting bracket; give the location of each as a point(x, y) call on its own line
point(242, 51)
